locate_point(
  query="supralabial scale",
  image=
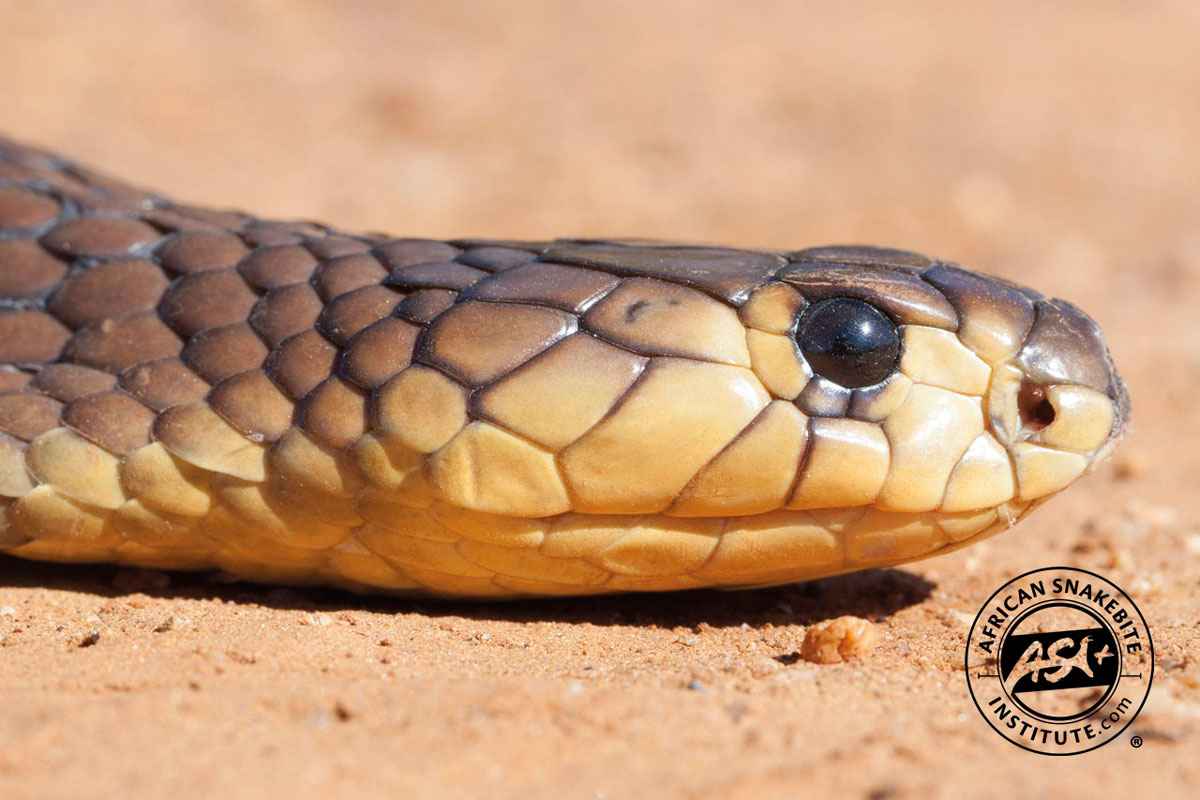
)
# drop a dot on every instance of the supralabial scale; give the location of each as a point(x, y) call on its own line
point(183, 388)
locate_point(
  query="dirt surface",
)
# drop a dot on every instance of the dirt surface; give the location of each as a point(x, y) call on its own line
point(1053, 143)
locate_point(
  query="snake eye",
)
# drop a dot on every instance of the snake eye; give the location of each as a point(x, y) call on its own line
point(849, 342)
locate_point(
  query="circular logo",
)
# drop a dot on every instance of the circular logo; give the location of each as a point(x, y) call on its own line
point(1059, 661)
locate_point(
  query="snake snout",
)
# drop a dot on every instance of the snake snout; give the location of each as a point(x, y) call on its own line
point(1072, 396)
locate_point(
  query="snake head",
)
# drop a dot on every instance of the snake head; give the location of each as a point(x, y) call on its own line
point(931, 388)
point(701, 382)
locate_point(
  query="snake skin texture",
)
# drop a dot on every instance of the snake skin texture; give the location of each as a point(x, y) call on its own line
point(196, 389)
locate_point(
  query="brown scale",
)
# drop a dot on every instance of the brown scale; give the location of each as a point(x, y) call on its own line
point(200, 251)
point(219, 353)
point(31, 336)
point(334, 246)
point(261, 233)
point(23, 415)
point(29, 269)
point(98, 236)
point(378, 352)
point(111, 289)
point(572, 289)
point(163, 383)
point(464, 341)
point(437, 275)
point(349, 313)
point(206, 300)
point(729, 274)
point(253, 404)
point(861, 256)
point(407, 252)
point(1053, 352)
point(67, 382)
point(995, 318)
point(24, 209)
point(285, 311)
point(114, 420)
point(903, 295)
point(13, 379)
point(272, 267)
point(340, 275)
point(495, 259)
point(335, 413)
point(425, 306)
point(117, 344)
point(301, 362)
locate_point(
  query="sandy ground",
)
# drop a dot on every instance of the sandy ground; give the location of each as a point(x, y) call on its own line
point(1054, 143)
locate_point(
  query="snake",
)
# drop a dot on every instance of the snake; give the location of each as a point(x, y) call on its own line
point(184, 388)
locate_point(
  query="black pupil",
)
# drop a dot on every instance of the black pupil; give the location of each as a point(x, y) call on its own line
point(849, 342)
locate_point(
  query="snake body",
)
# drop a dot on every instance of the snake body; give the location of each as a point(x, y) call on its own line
point(183, 388)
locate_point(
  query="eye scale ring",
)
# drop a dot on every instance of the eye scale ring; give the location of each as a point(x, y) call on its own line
point(849, 342)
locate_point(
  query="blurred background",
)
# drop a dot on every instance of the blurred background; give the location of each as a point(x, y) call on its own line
point(1052, 134)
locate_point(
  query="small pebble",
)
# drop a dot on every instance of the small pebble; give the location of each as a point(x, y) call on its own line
point(840, 639)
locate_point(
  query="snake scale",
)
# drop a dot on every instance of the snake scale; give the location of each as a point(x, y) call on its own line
point(183, 388)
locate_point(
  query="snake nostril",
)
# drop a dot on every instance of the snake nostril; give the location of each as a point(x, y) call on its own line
point(1037, 411)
